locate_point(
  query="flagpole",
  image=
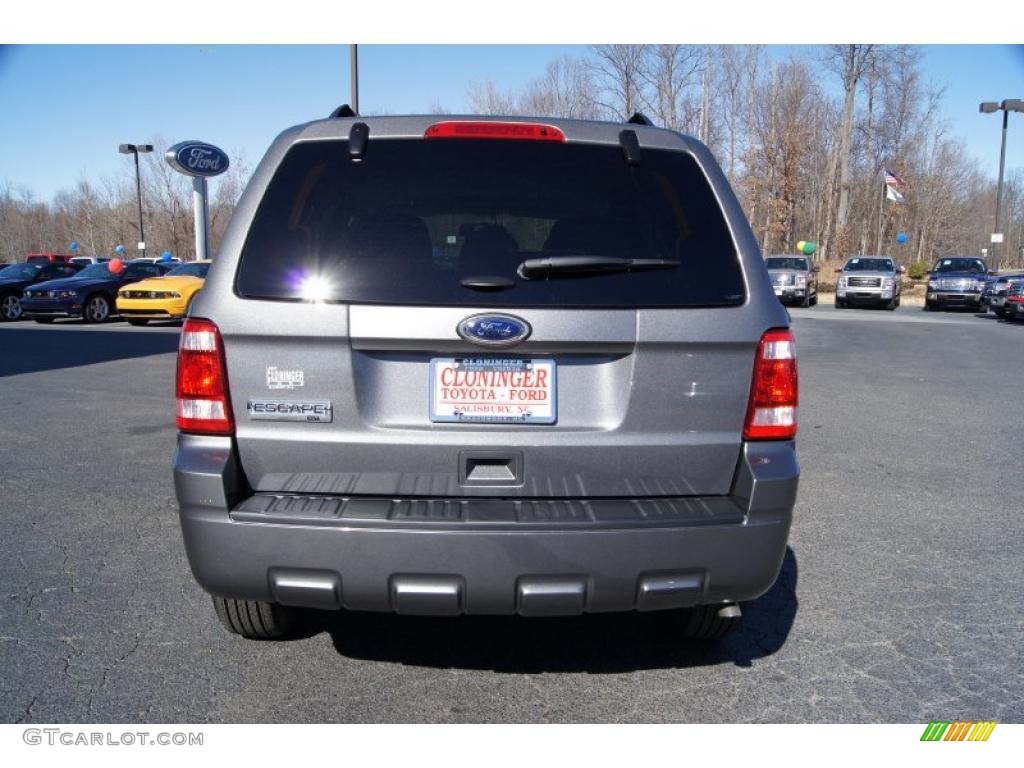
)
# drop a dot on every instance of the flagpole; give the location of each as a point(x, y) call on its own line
point(881, 214)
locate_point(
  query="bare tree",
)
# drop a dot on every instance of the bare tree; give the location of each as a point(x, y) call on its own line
point(670, 73)
point(619, 70)
point(567, 89)
point(850, 63)
point(486, 98)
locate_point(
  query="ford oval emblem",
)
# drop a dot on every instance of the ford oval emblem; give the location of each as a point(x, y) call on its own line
point(494, 330)
point(197, 158)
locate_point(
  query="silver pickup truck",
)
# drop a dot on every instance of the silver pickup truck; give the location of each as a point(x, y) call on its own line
point(869, 281)
point(794, 280)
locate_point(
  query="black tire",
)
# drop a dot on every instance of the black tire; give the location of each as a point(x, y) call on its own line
point(137, 321)
point(814, 299)
point(10, 307)
point(805, 302)
point(702, 622)
point(1002, 313)
point(840, 304)
point(891, 305)
point(44, 320)
point(96, 309)
point(254, 619)
point(898, 299)
point(928, 307)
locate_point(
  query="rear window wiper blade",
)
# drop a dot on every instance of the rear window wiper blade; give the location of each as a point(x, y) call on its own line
point(589, 265)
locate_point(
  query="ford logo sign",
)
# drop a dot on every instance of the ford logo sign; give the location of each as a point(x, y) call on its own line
point(196, 158)
point(494, 330)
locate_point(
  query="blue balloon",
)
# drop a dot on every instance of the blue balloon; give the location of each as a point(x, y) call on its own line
point(166, 256)
point(901, 238)
point(119, 249)
point(74, 245)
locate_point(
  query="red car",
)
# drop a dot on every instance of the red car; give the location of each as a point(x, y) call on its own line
point(40, 257)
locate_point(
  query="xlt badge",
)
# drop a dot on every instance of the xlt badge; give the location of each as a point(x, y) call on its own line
point(291, 410)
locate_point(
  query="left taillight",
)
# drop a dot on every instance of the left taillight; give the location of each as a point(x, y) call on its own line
point(204, 406)
point(771, 412)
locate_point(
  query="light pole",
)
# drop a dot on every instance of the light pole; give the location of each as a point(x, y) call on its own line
point(135, 149)
point(1007, 106)
point(353, 59)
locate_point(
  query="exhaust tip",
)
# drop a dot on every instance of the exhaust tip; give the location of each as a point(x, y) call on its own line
point(730, 611)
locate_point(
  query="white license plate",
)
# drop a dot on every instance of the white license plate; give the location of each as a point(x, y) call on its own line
point(493, 390)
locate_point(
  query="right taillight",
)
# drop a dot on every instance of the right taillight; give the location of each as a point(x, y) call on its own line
point(202, 383)
point(771, 414)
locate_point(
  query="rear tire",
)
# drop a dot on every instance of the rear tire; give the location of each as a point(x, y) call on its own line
point(702, 622)
point(254, 619)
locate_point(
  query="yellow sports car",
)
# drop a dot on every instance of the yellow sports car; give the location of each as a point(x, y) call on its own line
point(162, 298)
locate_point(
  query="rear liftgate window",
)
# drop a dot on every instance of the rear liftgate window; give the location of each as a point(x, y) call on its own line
point(415, 221)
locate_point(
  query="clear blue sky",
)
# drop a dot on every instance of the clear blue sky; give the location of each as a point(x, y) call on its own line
point(66, 108)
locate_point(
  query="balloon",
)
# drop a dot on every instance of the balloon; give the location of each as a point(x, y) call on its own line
point(74, 245)
point(901, 238)
point(166, 256)
point(808, 248)
point(115, 266)
point(800, 245)
point(119, 249)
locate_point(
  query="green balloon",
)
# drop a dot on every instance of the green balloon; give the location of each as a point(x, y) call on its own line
point(808, 248)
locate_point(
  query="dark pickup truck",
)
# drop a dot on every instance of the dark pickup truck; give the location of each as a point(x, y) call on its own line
point(956, 281)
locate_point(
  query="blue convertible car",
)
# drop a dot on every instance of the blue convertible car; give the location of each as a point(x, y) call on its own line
point(90, 295)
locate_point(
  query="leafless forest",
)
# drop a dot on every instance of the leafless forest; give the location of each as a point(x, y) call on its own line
point(804, 141)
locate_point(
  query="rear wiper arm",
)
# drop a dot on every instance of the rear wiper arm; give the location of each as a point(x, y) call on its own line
point(589, 265)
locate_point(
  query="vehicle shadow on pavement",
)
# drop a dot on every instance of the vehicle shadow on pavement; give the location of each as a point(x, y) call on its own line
point(27, 350)
point(608, 643)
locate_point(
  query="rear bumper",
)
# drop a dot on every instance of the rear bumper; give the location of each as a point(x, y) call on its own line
point(480, 563)
point(1014, 309)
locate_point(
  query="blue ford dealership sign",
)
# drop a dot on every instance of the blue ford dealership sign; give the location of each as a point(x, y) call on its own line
point(197, 158)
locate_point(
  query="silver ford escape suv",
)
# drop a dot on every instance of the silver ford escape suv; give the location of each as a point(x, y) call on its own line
point(448, 365)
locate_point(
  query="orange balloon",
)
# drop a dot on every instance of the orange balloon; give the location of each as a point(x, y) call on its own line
point(115, 266)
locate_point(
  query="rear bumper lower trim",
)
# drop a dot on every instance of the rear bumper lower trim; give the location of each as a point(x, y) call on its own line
point(482, 564)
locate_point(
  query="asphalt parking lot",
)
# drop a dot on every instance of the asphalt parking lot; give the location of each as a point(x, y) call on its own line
point(900, 598)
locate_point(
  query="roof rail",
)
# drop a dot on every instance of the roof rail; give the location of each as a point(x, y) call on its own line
point(639, 118)
point(343, 111)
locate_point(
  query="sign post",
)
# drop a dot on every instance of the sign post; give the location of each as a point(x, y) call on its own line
point(200, 161)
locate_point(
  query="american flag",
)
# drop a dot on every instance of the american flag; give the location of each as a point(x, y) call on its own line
point(891, 179)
